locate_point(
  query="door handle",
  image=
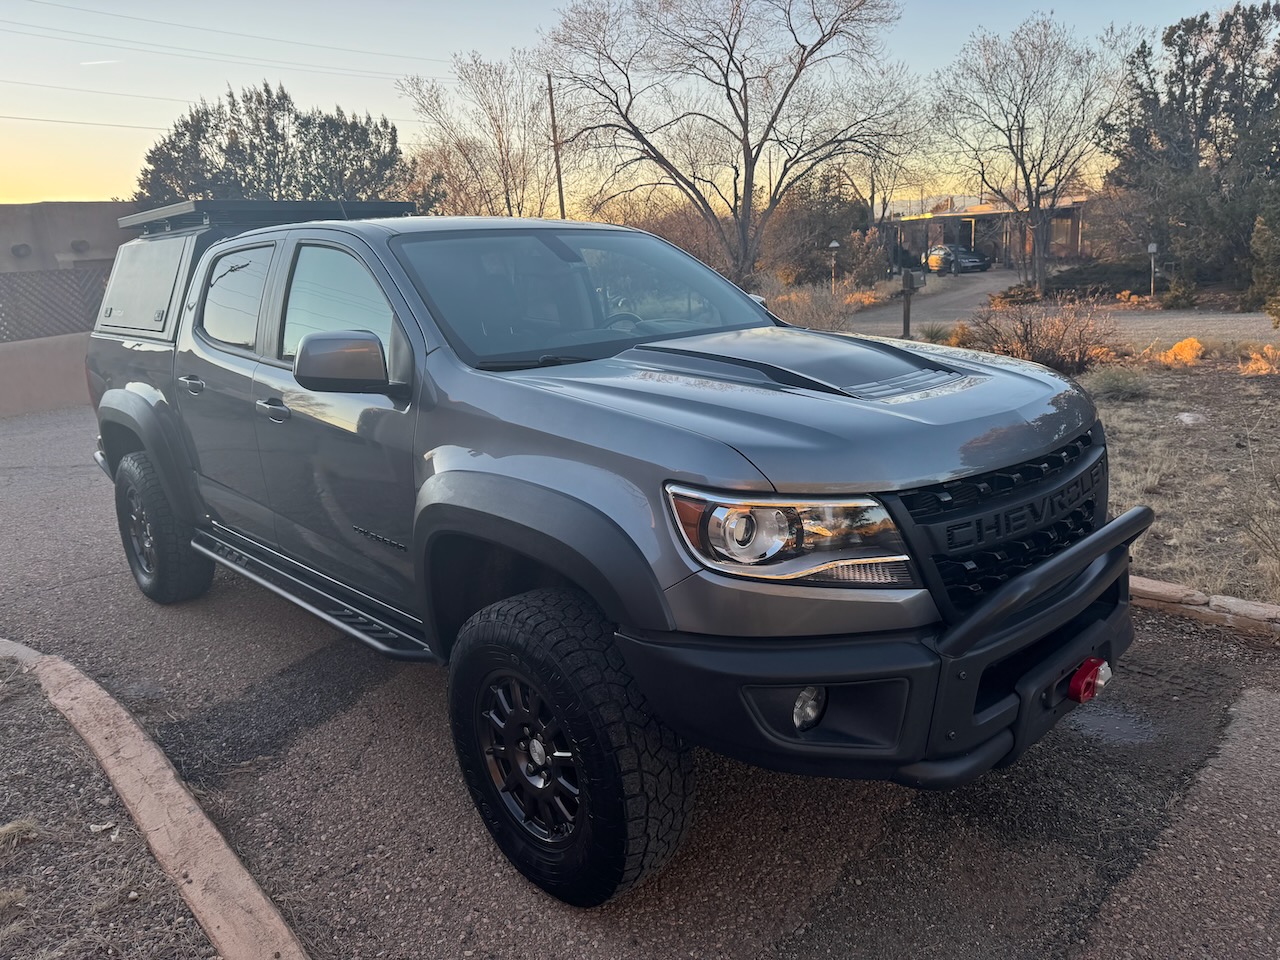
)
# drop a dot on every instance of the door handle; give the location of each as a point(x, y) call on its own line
point(275, 409)
point(194, 385)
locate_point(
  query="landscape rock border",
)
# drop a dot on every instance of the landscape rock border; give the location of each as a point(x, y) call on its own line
point(1246, 616)
point(237, 915)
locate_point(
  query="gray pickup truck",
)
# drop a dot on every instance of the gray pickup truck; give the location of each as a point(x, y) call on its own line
point(629, 507)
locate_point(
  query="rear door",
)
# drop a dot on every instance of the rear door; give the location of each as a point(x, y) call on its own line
point(213, 370)
point(339, 466)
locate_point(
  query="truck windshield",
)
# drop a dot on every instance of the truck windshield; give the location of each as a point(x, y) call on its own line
point(507, 298)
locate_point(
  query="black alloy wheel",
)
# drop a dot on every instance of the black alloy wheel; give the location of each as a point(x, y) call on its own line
point(583, 789)
point(530, 759)
point(157, 543)
point(141, 538)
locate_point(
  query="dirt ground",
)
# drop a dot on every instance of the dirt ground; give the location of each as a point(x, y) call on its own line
point(77, 881)
point(1203, 449)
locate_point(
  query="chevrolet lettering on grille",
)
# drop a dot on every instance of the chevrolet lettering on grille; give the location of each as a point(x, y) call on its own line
point(1027, 517)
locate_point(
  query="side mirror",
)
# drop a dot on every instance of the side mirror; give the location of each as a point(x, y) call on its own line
point(759, 299)
point(343, 361)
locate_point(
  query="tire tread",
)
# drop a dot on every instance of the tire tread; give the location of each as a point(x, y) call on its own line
point(654, 764)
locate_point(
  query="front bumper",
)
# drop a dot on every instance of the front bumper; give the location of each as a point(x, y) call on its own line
point(925, 707)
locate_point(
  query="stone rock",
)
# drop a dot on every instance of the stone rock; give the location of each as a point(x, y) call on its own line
point(1249, 609)
point(1166, 592)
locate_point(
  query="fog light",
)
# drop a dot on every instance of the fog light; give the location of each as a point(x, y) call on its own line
point(809, 706)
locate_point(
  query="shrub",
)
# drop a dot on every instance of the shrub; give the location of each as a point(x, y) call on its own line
point(1264, 361)
point(1117, 383)
point(1021, 293)
point(962, 336)
point(1184, 353)
point(1104, 277)
point(1068, 335)
point(1181, 295)
point(813, 306)
point(935, 333)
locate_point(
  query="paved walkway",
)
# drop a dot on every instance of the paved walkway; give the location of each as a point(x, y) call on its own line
point(948, 300)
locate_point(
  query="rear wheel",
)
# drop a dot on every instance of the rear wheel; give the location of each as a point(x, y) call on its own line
point(582, 788)
point(156, 543)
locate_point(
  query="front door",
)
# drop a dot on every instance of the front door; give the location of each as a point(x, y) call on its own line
point(213, 369)
point(339, 466)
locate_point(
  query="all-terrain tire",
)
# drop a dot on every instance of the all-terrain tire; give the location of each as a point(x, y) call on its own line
point(544, 663)
point(156, 543)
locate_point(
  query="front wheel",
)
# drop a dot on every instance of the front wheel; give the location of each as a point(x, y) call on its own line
point(582, 788)
point(156, 543)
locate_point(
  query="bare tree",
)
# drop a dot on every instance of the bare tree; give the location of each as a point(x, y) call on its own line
point(1023, 115)
point(490, 139)
point(898, 166)
point(728, 103)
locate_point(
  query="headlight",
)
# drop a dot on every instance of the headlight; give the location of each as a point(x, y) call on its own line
point(850, 541)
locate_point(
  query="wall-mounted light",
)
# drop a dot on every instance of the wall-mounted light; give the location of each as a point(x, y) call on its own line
point(21, 249)
point(79, 246)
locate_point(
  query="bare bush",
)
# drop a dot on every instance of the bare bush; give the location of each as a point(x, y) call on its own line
point(1068, 335)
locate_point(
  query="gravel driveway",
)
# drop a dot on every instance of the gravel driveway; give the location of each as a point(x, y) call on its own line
point(331, 772)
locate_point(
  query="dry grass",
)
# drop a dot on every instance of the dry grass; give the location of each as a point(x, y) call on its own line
point(13, 915)
point(1262, 362)
point(817, 308)
point(1214, 482)
point(12, 834)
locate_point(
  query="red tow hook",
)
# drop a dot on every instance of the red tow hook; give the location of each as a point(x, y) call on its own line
point(1088, 680)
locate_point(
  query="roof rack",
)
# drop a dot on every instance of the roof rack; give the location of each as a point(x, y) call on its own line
point(248, 214)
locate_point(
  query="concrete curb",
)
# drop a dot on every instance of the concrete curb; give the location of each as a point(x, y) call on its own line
point(239, 918)
point(1247, 616)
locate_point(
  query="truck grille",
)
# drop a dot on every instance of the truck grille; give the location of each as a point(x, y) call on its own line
point(986, 529)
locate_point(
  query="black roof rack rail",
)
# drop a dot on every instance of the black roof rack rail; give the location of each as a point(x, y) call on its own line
point(248, 214)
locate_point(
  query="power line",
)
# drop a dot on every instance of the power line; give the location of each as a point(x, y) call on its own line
point(232, 33)
point(105, 93)
point(190, 53)
point(80, 123)
point(143, 45)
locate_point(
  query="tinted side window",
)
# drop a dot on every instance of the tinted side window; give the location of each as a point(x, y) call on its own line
point(332, 290)
point(234, 296)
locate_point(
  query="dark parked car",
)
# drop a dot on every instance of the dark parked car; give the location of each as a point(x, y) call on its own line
point(953, 258)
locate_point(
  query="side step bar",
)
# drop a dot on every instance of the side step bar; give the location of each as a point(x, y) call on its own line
point(389, 640)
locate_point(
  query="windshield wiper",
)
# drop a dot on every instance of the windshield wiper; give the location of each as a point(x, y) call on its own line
point(546, 360)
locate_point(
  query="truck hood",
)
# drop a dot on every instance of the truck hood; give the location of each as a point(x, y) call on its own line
point(823, 412)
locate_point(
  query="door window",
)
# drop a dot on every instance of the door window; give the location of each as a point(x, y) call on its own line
point(233, 296)
point(332, 290)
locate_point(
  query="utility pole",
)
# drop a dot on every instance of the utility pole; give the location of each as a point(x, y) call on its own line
point(555, 142)
point(1153, 249)
point(908, 288)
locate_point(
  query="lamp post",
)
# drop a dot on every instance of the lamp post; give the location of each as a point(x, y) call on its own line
point(833, 246)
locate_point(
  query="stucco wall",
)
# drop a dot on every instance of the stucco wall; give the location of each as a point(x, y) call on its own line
point(44, 374)
point(61, 234)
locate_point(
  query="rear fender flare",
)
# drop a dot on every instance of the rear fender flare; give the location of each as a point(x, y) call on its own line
point(144, 419)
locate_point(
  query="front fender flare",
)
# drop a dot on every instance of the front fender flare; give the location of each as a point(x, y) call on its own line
point(565, 534)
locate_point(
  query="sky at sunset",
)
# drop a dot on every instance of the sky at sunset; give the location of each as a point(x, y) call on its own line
point(86, 86)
